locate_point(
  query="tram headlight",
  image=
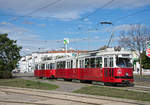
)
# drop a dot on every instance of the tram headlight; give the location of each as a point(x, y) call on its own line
point(127, 74)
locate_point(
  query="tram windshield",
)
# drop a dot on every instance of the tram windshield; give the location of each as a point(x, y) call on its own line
point(123, 62)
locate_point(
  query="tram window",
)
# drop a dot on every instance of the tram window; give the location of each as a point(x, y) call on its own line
point(43, 66)
point(50, 66)
point(92, 62)
point(105, 62)
point(46, 66)
point(87, 63)
point(67, 64)
point(53, 65)
point(71, 65)
point(36, 67)
point(39, 66)
point(64, 64)
point(99, 62)
point(76, 63)
point(82, 63)
point(61, 65)
point(57, 65)
point(111, 62)
point(123, 62)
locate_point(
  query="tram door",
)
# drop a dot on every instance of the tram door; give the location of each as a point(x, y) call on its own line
point(108, 69)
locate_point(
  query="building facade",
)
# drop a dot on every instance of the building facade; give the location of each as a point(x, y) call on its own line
point(27, 63)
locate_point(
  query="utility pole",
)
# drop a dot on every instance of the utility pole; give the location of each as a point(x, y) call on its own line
point(112, 34)
point(88, 40)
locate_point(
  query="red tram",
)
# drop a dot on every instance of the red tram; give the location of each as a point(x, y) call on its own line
point(107, 66)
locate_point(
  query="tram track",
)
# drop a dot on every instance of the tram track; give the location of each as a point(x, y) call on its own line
point(87, 103)
point(30, 103)
point(136, 87)
point(78, 98)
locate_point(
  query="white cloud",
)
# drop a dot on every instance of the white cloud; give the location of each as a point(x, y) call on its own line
point(26, 38)
point(123, 27)
point(65, 8)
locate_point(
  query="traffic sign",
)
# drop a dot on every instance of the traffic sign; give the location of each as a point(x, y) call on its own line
point(148, 48)
point(66, 40)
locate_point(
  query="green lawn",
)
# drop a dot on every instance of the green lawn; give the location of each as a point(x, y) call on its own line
point(143, 76)
point(27, 84)
point(113, 92)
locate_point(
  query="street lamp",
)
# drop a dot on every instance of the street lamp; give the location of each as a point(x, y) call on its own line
point(106, 23)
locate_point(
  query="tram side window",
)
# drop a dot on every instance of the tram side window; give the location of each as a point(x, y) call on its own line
point(87, 63)
point(68, 65)
point(92, 62)
point(43, 66)
point(57, 65)
point(46, 66)
point(111, 62)
point(71, 65)
point(50, 66)
point(39, 66)
point(99, 62)
point(105, 62)
point(80, 64)
point(53, 65)
point(36, 67)
point(61, 65)
point(76, 63)
point(64, 64)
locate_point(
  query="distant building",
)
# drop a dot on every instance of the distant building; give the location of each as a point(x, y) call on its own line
point(27, 63)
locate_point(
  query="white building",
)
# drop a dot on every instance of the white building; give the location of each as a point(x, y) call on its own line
point(27, 63)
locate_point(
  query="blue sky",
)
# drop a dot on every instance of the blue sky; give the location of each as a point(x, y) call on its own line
point(67, 19)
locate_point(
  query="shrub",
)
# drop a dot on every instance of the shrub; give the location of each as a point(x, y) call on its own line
point(5, 74)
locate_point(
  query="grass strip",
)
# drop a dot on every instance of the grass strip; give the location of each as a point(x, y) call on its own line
point(27, 84)
point(114, 92)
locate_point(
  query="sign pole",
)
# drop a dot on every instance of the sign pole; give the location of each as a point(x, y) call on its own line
point(66, 41)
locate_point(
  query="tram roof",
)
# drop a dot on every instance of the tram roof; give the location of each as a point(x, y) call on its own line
point(106, 52)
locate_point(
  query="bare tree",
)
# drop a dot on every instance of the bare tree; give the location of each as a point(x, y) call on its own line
point(135, 39)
